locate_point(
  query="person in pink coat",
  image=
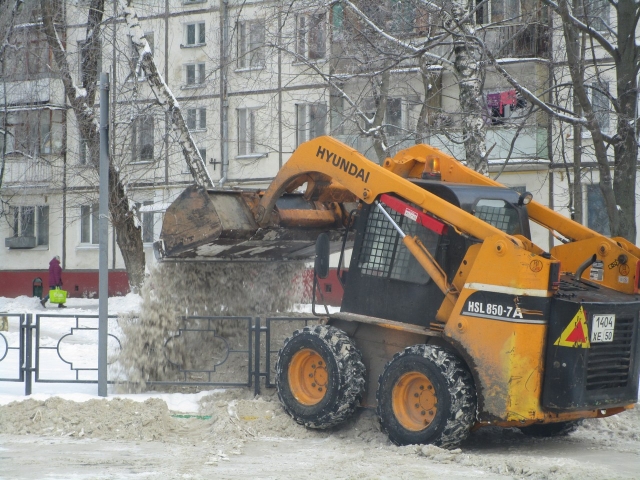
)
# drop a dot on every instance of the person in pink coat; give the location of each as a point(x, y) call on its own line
point(55, 279)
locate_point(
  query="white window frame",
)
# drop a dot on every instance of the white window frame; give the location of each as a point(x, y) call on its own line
point(247, 129)
point(306, 121)
point(594, 93)
point(586, 187)
point(84, 153)
point(197, 119)
point(89, 219)
point(147, 222)
point(81, 43)
point(305, 36)
point(136, 141)
point(589, 88)
point(603, 10)
point(506, 16)
point(40, 130)
point(199, 34)
point(391, 129)
point(251, 44)
point(199, 75)
point(40, 214)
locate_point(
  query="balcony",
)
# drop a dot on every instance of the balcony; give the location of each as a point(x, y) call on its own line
point(27, 172)
point(517, 41)
point(531, 143)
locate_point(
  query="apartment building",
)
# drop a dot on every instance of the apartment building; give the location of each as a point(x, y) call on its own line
point(254, 79)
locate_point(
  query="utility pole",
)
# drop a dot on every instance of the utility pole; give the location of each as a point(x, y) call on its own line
point(103, 232)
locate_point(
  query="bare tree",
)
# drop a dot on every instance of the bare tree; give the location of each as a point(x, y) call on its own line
point(82, 102)
point(166, 98)
point(578, 20)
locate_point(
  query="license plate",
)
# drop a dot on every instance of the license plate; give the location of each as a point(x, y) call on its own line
point(602, 328)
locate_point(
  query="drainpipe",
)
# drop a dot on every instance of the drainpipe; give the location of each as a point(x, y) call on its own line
point(224, 102)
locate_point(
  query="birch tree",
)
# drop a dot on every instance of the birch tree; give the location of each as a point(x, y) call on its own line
point(82, 102)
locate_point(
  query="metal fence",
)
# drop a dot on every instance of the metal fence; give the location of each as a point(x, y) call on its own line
point(214, 351)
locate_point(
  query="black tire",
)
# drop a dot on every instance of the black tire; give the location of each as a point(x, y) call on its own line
point(338, 378)
point(558, 429)
point(444, 392)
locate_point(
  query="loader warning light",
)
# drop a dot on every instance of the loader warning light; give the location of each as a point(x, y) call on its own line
point(431, 169)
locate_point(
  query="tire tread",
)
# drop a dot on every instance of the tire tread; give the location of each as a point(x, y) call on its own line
point(351, 369)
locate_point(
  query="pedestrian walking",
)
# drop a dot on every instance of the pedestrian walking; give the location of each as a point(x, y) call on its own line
point(55, 279)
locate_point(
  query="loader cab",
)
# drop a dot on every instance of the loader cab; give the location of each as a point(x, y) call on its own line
point(385, 281)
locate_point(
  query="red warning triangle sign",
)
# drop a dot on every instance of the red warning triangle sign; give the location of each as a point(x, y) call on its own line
point(576, 334)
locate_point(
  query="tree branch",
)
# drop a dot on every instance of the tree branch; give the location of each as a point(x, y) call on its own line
point(608, 46)
point(166, 98)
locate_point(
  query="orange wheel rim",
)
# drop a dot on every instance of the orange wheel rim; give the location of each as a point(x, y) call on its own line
point(414, 401)
point(308, 377)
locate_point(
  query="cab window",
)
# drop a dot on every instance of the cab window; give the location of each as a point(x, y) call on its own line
point(384, 255)
point(500, 214)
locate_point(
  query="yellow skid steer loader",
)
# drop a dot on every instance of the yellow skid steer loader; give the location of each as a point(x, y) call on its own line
point(452, 318)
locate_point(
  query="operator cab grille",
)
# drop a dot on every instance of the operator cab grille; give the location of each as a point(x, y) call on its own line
point(608, 364)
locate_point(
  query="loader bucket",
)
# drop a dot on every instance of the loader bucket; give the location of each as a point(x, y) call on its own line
point(219, 225)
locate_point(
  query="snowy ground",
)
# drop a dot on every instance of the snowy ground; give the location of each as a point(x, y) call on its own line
point(65, 431)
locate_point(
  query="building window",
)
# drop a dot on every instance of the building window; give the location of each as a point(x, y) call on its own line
point(311, 119)
point(393, 16)
point(247, 131)
point(336, 102)
point(34, 132)
point(251, 44)
point(495, 11)
point(311, 42)
point(84, 153)
point(146, 222)
point(32, 222)
point(595, 13)
point(597, 217)
point(28, 55)
point(136, 67)
point(195, 74)
point(392, 115)
point(600, 103)
point(196, 119)
point(142, 139)
point(89, 224)
point(194, 34)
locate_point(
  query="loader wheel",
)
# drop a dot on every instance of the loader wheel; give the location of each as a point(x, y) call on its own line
point(426, 395)
point(558, 429)
point(319, 376)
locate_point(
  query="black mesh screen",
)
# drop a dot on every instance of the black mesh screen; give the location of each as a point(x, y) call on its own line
point(384, 255)
point(504, 218)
